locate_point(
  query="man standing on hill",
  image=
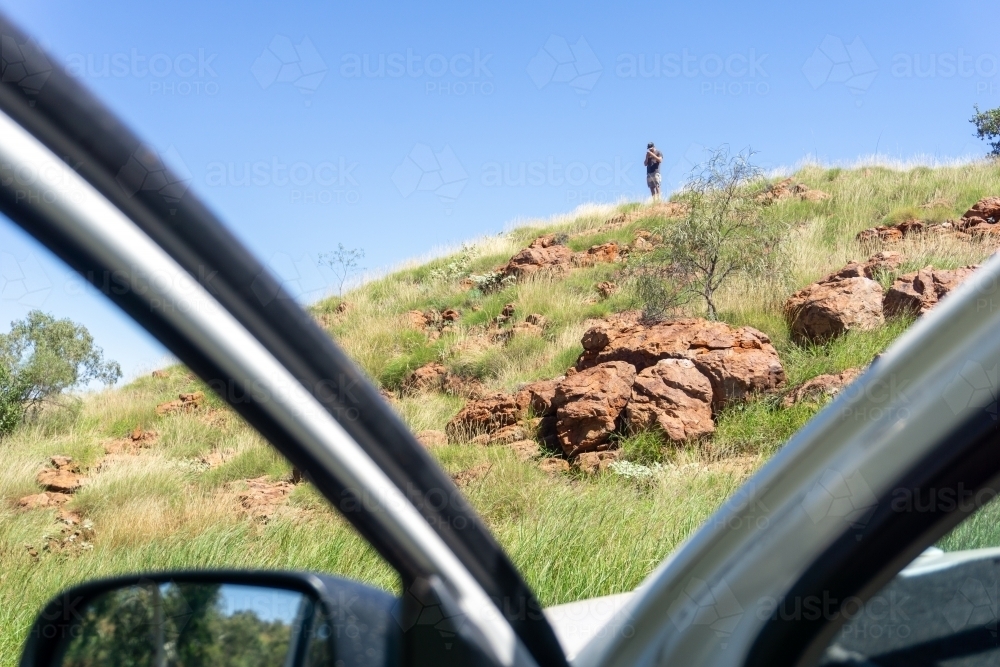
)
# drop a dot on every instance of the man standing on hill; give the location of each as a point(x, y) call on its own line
point(652, 162)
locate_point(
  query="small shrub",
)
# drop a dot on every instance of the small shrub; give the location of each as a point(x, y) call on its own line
point(456, 269)
point(492, 281)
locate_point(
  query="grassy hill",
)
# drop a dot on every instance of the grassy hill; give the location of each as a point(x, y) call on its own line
point(186, 491)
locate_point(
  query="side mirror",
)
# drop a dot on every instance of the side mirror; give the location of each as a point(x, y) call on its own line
point(199, 619)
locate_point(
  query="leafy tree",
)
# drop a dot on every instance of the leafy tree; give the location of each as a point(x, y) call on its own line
point(724, 234)
point(40, 358)
point(344, 262)
point(988, 127)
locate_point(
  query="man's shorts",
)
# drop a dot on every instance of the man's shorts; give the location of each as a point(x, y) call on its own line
point(653, 181)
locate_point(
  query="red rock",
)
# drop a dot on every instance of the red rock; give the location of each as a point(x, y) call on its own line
point(985, 211)
point(918, 292)
point(838, 303)
point(539, 397)
point(604, 253)
point(60, 481)
point(526, 329)
point(429, 377)
point(738, 361)
point(536, 319)
point(485, 415)
point(674, 396)
point(596, 462)
point(554, 466)
point(547, 241)
point(470, 475)
point(40, 500)
point(262, 498)
point(450, 315)
point(892, 233)
point(417, 319)
point(537, 258)
point(589, 404)
point(808, 194)
point(184, 403)
point(880, 262)
point(820, 387)
point(63, 462)
point(502, 436)
point(606, 288)
point(525, 450)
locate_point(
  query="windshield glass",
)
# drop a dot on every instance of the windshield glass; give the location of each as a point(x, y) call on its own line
point(602, 262)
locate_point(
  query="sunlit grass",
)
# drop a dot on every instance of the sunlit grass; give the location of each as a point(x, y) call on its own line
point(572, 536)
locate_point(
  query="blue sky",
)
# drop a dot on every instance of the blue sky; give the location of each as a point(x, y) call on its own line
point(397, 128)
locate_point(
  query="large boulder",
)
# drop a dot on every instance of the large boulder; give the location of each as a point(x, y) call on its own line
point(843, 301)
point(674, 396)
point(916, 293)
point(544, 253)
point(738, 361)
point(589, 404)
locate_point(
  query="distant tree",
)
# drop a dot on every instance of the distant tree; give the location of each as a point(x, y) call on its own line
point(724, 234)
point(344, 262)
point(40, 358)
point(988, 128)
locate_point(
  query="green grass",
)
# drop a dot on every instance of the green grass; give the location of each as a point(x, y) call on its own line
point(572, 536)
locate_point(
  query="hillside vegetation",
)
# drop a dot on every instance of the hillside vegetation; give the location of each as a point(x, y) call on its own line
point(198, 488)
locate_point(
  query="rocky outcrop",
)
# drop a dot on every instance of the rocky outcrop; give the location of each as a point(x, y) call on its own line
point(548, 253)
point(820, 387)
point(606, 288)
point(916, 293)
point(544, 253)
point(843, 301)
point(880, 262)
point(596, 462)
point(674, 397)
point(604, 253)
point(428, 377)
point(589, 404)
point(487, 414)
point(62, 478)
point(985, 212)
point(738, 361)
point(670, 376)
point(188, 402)
point(979, 221)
